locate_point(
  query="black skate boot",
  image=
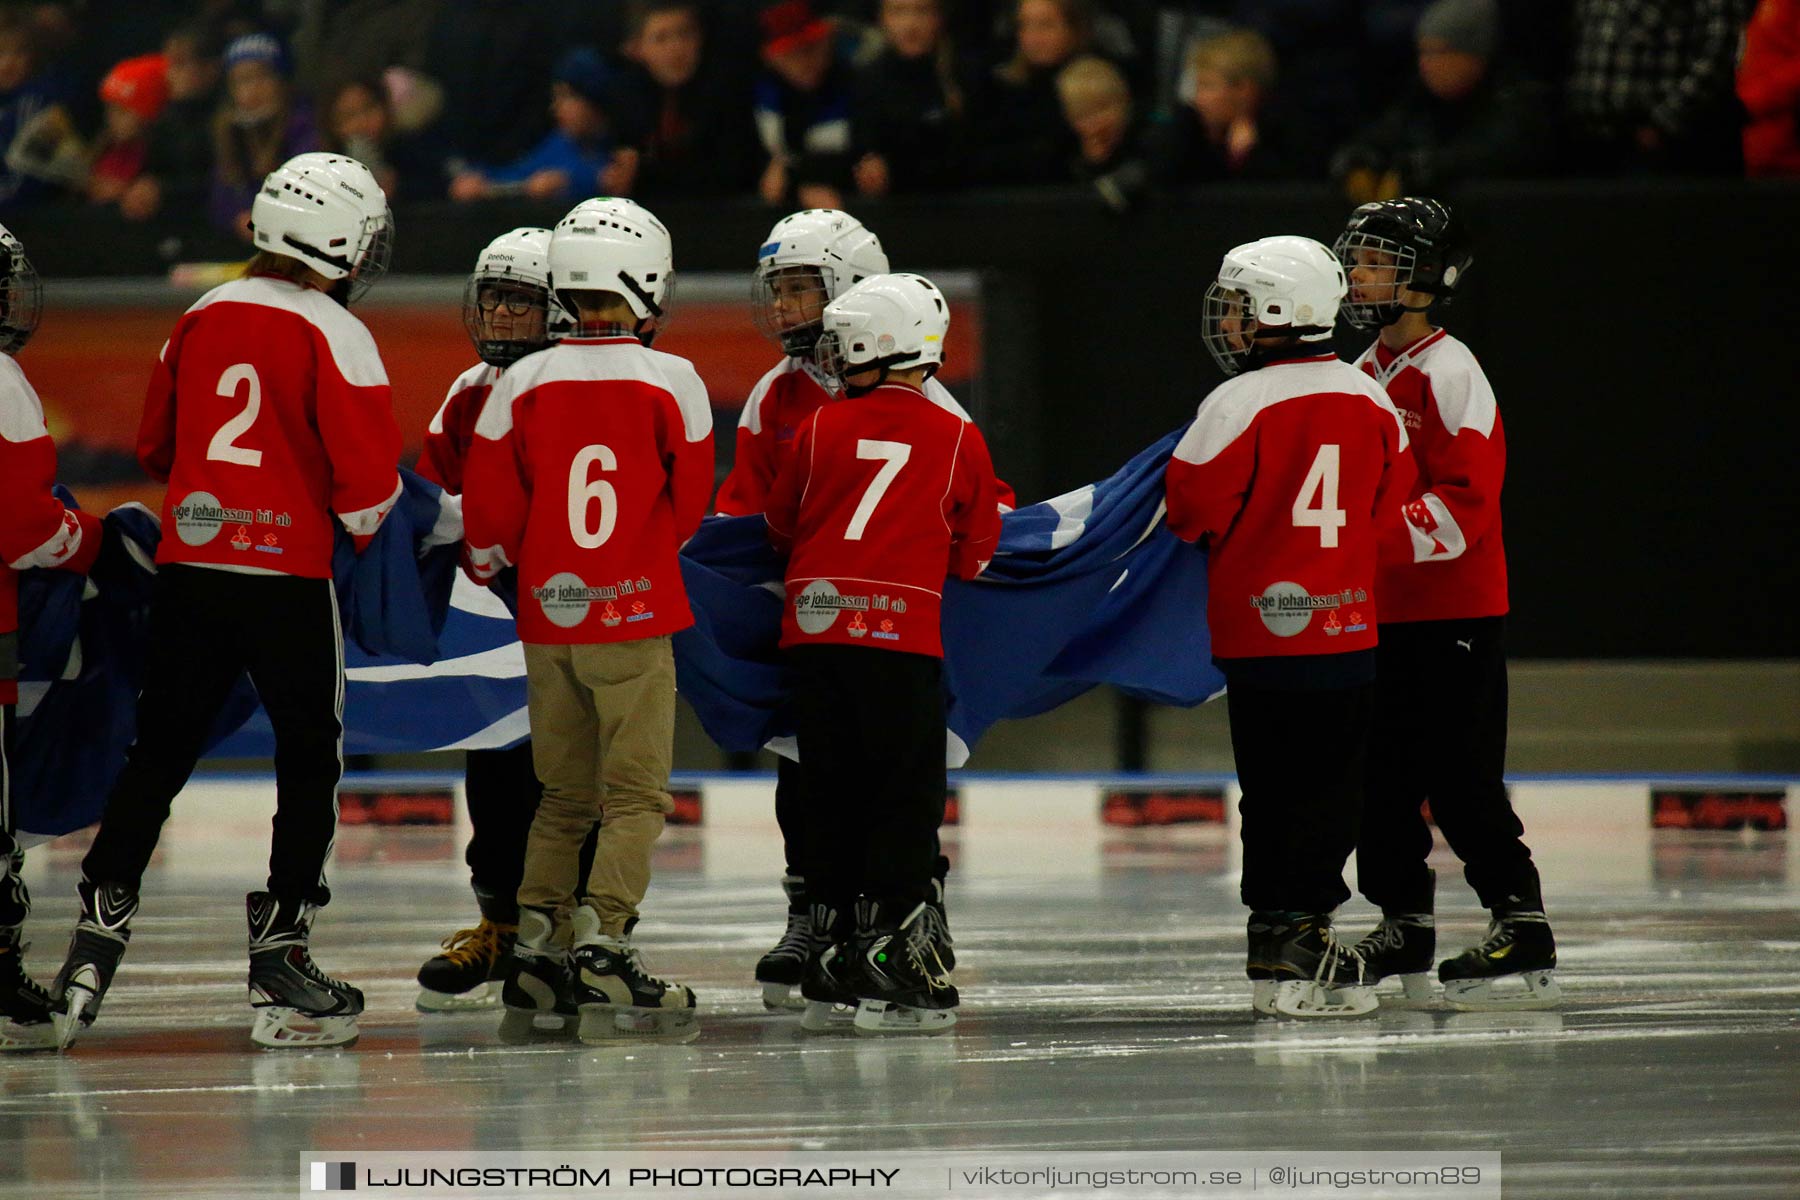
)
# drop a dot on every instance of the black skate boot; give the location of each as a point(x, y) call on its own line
point(1264, 933)
point(1315, 974)
point(829, 986)
point(94, 953)
point(903, 985)
point(538, 991)
point(781, 969)
point(467, 976)
point(1403, 945)
point(297, 1005)
point(1514, 967)
point(26, 1010)
point(617, 997)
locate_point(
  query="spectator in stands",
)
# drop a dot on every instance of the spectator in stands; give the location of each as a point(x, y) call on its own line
point(910, 104)
point(493, 59)
point(1769, 85)
point(359, 122)
point(802, 109)
point(1023, 136)
point(1652, 87)
point(260, 126)
point(1223, 130)
point(178, 161)
point(134, 93)
point(575, 158)
point(32, 102)
point(1096, 102)
point(684, 121)
point(1463, 115)
point(1325, 66)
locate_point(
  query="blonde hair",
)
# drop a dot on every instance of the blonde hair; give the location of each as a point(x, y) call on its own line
point(282, 266)
point(1241, 55)
point(1089, 85)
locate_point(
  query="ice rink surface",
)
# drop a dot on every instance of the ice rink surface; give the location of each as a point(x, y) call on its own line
point(1103, 1009)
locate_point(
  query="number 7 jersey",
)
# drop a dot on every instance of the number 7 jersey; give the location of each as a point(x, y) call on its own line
point(268, 411)
point(885, 497)
point(1282, 473)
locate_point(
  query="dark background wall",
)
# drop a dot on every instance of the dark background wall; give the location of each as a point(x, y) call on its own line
point(1636, 334)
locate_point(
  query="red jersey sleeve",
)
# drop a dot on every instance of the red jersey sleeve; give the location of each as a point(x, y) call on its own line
point(755, 463)
point(156, 431)
point(36, 530)
point(497, 489)
point(1209, 473)
point(782, 508)
point(1460, 472)
point(975, 523)
point(688, 448)
point(452, 428)
point(356, 425)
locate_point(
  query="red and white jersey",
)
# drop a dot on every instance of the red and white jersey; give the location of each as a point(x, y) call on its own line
point(767, 428)
point(268, 411)
point(35, 529)
point(886, 496)
point(1442, 557)
point(452, 428)
point(1283, 472)
point(592, 464)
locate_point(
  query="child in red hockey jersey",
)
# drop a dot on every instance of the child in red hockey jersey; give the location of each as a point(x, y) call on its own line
point(1281, 476)
point(35, 531)
point(1442, 580)
point(268, 415)
point(592, 463)
point(885, 496)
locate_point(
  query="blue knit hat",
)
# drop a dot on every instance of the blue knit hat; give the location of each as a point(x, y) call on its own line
point(586, 73)
point(257, 47)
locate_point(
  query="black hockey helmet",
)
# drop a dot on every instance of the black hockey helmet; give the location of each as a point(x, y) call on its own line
point(1429, 248)
point(21, 295)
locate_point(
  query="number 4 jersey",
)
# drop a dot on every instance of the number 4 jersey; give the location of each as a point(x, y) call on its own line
point(886, 496)
point(268, 411)
point(1282, 473)
point(592, 463)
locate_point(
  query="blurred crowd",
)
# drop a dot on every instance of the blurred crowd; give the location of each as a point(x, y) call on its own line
point(157, 106)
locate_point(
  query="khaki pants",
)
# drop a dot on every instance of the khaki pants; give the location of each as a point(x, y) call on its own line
point(602, 738)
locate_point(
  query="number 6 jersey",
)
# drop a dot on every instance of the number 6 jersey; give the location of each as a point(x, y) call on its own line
point(269, 410)
point(592, 463)
point(1282, 472)
point(886, 496)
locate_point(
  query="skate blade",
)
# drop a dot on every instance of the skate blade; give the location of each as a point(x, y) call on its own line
point(824, 1016)
point(881, 1017)
point(1415, 993)
point(77, 999)
point(278, 1028)
point(602, 1024)
point(1304, 998)
point(483, 997)
point(522, 1026)
point(1541, 991)
point(38, 1035)
point(781, 997)
point(1262, 997)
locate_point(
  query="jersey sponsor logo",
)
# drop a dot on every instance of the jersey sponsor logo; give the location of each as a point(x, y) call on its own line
point(1354, 623)
point(856, 628)
point(241, 539)
point(639, 612)
point(566, 599)
point(1287, 608)
point(886, 632)
point(199, 516)
point(270, 544)
point(818, 604)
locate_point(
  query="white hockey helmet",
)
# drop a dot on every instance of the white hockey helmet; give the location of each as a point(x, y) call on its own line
point(610, 244)
point(328, 211)
point(808, 260)
point(21, 294)
point(507, 308)
point(884, 322)
point(1289, 285)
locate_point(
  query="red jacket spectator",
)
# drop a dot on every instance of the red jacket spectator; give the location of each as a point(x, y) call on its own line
point(1768, 83)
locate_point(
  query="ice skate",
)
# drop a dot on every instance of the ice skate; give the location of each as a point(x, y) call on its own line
point(946, 944)
point(1402, 946)
point(297, 1005)
point(1316, 975)
point(468, 975)
point(538, 992)
point(903, 985)
point(781, 969)
point(618, 999)
point(829, 986)
point(1513, 969)
point(94, 953)
point(1263, 935)
point(27, 1012)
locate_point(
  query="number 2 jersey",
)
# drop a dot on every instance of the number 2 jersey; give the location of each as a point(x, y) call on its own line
point(885, 497)
point(592, 463)
point(1442, 556)
point(1283, 472)
point(268, 411)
